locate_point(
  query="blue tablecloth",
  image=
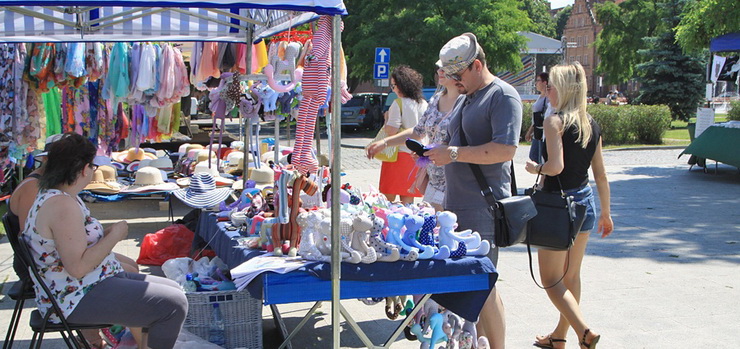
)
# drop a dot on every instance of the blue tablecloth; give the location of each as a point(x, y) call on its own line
point(466, 304)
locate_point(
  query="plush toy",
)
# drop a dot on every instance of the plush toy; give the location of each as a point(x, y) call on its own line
point(267, 96)
point(308, 249)
point(385, 251)
point(413, 224)
point(395, 223)
point(324, 243)
point(315, 86)
point(438, 334)
point(291, 231)
point(426, 237)
point(453, 329)
point(345, 229)
point(460, 243)
point(361, 224)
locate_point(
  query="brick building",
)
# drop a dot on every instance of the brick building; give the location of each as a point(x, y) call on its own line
point(579, 34)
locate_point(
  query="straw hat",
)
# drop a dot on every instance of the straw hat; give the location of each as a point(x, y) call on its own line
point(235, 161)
point(99, 185)
point(188, 147)
point(131, 155)
point(163, 163)
point(203, 155)
point(202, 192)
point(263, 177)
point(149, 179)
point(237, 145)
point(110, 176)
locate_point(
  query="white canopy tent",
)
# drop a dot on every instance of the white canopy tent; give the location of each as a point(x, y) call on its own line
point(185, 20)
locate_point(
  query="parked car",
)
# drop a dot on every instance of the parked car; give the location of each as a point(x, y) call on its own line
point(427, 91)
point(364, 110)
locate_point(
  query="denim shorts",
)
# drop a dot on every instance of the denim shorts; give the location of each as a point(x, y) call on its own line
point(585, 196)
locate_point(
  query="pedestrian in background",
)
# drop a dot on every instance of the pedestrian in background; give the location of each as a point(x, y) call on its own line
point(540, 109)
point(431, 129)
point(572, 145)
point(397, 178)
point(489, 116)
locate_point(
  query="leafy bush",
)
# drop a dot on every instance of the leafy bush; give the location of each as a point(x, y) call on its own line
point(628, 124)
point(734, 112)
point(614, 128)
point(648, 123)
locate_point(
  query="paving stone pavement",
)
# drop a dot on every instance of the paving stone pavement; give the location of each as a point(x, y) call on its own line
point(666, 278)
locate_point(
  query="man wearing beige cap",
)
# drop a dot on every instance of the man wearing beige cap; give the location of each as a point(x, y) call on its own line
point(483, 132)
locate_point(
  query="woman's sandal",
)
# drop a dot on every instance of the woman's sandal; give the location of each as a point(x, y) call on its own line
point(550, 342)
point(591, 345)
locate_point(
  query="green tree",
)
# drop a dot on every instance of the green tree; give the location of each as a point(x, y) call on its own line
point(415, 31)
point(624, 26)
point(562, 20)
point(703, 20)
point(669, 76)
point(539, 12)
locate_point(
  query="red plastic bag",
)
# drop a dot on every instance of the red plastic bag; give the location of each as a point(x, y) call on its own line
point(171, 242)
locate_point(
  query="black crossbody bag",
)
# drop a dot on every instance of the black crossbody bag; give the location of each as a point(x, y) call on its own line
point(510, 215)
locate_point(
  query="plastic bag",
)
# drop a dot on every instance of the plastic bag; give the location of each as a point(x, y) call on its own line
point(187, 340)
point(171, 242)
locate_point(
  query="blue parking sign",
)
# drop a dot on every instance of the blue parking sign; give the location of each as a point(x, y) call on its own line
point(380, 71)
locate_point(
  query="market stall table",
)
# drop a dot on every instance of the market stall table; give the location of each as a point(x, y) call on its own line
point(717, 143)
point(461, 285)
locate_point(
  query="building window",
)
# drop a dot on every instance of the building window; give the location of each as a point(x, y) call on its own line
point(585, 60)
point(578, 59)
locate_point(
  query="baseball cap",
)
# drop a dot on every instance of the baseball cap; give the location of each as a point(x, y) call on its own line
point(49, 140)
point(458, 53)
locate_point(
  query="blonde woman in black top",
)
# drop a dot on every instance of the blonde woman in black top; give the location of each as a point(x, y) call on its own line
point(572, 145)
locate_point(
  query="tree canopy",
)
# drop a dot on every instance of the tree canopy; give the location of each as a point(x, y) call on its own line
point(703, 20)
point(624, 27)
point(415, 31)
point(669, 76)
point(539, 12)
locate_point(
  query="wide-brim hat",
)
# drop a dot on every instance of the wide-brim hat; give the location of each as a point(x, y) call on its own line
point(237, 145)
point(202, 192)
point(235, 160)
point(99, 185)
point(203, 155)
point(149, 179)
point(132, 155)
point(110, 176)
point(163, 163)
point(458, 53)
point(263, 177)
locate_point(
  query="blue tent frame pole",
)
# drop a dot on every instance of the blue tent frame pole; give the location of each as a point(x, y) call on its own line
point(336, 111)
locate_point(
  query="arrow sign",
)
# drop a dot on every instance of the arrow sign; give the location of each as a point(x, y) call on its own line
point(382, 55)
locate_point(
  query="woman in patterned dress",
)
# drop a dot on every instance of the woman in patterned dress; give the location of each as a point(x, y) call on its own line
point(74, 255)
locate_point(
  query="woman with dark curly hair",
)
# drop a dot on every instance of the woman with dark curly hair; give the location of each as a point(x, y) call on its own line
point(397, 178)
point(74, 255)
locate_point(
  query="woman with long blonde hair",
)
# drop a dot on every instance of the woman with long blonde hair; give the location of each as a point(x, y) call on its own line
point(572, 145)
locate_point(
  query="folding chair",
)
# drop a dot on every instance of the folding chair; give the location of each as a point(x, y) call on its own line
point(21, 290)
point(41, 324)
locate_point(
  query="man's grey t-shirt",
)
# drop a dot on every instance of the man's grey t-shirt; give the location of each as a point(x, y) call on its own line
point(492, 114)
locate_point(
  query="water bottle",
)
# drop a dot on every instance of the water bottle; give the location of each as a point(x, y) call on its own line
point(216, 333)
point(189, 285)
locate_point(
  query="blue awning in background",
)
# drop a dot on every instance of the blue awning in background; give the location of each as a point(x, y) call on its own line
point(725, 43)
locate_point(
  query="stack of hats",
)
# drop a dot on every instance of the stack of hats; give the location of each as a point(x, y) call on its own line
point(262, 178)
point(149, 179)
point(104, 181)
point(202, 192)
